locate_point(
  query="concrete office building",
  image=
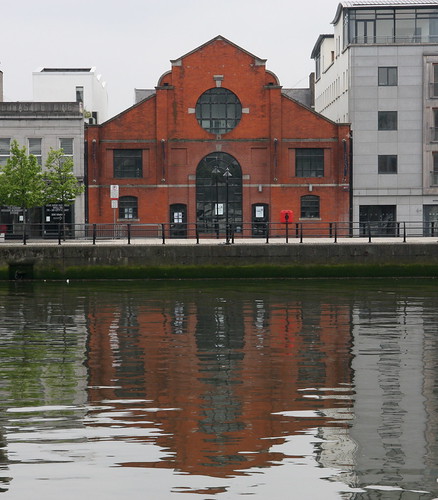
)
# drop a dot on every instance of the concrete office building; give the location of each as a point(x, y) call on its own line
point(379, 72)
point(40, 126)
point(83, 85)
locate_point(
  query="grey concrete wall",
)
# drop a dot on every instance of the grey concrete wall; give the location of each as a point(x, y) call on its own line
point(67, 256)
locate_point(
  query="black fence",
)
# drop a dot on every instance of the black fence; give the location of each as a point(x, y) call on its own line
point(265, 231)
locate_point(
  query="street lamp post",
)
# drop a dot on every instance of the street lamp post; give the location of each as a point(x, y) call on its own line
point(227, 175)
point(216, 171)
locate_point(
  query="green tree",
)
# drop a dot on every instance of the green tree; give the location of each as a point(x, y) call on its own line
point(21, 180)
point(62, 185)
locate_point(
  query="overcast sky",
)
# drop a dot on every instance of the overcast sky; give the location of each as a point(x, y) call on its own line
point(131, 42)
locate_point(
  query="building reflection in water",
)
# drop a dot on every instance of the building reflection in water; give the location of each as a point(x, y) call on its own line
point(224, 382)
point(395, 379)
point(221, 373)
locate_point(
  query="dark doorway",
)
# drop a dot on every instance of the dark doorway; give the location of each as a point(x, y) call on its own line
point(178, 220)
point(260, 219)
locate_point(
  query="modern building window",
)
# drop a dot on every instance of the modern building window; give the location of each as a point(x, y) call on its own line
point(218, 110)
point(5, 150)
point(391, 25)
point(434, 179)
point(434, 128)
point(35, 149)
point(387, 76)
point(387, 120)
point(318, 66)
point(309, 162)
point(79, 94)
point(379, 220)
point(387, 164)
point(66, 144)
point(128, 163)
point(434, 85)
point(128, 207)
point(310, 207)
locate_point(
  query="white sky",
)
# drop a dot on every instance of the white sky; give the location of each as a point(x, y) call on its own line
point(131, 42)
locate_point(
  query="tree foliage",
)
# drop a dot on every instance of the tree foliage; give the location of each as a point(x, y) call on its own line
point(21, 180)
point(62, 185)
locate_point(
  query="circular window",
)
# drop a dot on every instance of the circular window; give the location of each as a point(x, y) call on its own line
point(218, 110)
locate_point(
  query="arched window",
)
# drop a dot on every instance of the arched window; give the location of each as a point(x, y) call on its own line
point(310, 207)
point(218, 193)
point(218, 110)
point(128, 207)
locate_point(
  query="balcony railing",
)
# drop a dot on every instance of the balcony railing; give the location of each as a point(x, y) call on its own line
point(267, 232)
point(393, 39)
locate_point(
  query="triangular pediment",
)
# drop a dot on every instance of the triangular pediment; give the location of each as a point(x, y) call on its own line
point(257, 60)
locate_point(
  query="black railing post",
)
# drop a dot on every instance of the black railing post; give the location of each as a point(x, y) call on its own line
point(287, 227)
point(197, 234)
point(369, 232)
point(59, 234)
point(404, 232)
point(24, 234)
point(267, 231)
point(129, 234)
point(336, 232)
point(94, 234)
point(301, 232)
point(163, 235)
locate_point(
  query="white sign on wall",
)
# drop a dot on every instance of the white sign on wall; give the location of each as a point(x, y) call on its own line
point(114, 192)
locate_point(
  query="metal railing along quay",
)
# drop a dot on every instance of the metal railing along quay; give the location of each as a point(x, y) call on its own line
point(266, 232)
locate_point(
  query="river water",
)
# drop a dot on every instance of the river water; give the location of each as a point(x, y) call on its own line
point(299, 389)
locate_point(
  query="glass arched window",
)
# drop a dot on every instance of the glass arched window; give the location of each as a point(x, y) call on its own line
point(218, 110)
point(218, 193)
point(310, 207)
point(128, 207)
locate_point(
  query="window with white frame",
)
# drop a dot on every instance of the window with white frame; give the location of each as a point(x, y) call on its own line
point(66, 144)
point(5, 150)
point(35, 148)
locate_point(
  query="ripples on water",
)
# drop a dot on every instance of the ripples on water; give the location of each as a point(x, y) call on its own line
point(292, 389)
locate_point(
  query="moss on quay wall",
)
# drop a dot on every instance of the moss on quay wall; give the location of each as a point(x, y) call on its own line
point(225, 272)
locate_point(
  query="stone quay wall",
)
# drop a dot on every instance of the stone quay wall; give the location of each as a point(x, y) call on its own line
point(211, 260)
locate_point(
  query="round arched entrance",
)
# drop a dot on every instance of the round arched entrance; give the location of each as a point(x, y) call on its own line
point(219, 193)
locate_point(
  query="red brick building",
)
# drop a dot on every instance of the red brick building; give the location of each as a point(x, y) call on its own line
point(218, 141)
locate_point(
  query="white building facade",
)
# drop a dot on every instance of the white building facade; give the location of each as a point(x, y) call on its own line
point(379, 72)
point(40, 126)
point(83, 85)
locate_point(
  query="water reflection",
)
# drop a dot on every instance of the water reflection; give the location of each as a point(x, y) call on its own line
point(221, 389)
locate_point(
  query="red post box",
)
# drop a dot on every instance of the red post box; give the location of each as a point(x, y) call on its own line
point(286, 216)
